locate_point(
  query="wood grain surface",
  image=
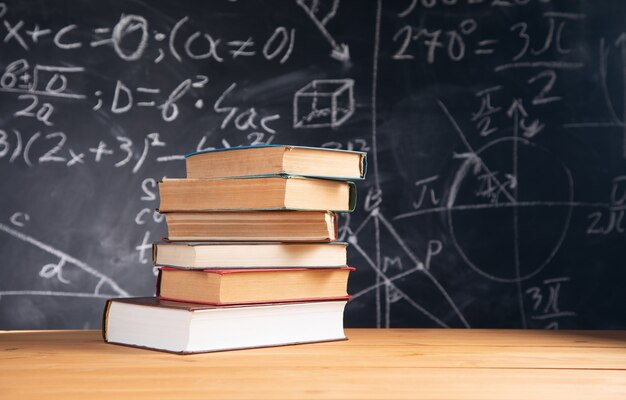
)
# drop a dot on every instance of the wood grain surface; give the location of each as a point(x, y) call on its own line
point(373, 364)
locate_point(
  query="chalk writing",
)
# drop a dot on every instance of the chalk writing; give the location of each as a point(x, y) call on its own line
point(495, 133)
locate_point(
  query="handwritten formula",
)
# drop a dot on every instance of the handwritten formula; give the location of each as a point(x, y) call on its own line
point(494, 129)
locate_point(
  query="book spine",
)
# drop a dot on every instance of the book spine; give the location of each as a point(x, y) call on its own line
point(352, 197)
point(105, 319)
point(154, 253)
point(363, 165)
point(157, 290)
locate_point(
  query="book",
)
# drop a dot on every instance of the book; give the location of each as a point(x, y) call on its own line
point(242, 286)
point(186, 328)
point(267, 193)
point(276, 160)
point(249, 255)
point(276, 226)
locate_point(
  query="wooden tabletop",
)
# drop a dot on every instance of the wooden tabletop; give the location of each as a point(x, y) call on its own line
point(373, 364)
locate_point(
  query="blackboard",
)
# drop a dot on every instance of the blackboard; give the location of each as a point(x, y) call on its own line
point(495, 131)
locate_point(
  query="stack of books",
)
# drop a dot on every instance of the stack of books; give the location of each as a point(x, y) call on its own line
point(251, 258)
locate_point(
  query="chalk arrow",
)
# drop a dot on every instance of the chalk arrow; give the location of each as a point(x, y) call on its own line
point(517, 108)
point(511, 181)
point(340, 51)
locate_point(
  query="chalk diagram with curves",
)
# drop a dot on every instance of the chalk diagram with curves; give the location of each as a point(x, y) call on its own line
point(495, 197)
point(104, 287)
point(500, 198)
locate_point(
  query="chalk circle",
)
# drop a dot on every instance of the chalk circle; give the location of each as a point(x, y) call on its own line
point(528, 153)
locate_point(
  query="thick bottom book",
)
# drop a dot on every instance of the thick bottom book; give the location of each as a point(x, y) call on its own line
point(185, 328)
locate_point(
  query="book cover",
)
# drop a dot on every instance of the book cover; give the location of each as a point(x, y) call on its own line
point(288, 147)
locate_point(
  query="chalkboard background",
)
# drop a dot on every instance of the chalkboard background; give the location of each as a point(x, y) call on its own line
point(495, 132)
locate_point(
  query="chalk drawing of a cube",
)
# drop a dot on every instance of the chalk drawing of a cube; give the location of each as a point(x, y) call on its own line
point(323, 103)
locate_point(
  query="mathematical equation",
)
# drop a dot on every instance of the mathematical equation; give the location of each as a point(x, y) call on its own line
point(505, 123)
point(132, 39)
point(465, 40)
point(470, 112)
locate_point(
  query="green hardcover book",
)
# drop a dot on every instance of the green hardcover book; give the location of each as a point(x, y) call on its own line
point(247, 161)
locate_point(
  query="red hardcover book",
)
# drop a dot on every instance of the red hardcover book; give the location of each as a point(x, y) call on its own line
point(249, 286)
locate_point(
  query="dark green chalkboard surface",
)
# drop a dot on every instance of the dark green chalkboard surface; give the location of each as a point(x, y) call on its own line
point(495, 131)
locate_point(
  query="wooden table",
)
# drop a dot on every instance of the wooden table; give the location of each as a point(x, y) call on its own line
point(373, 364)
